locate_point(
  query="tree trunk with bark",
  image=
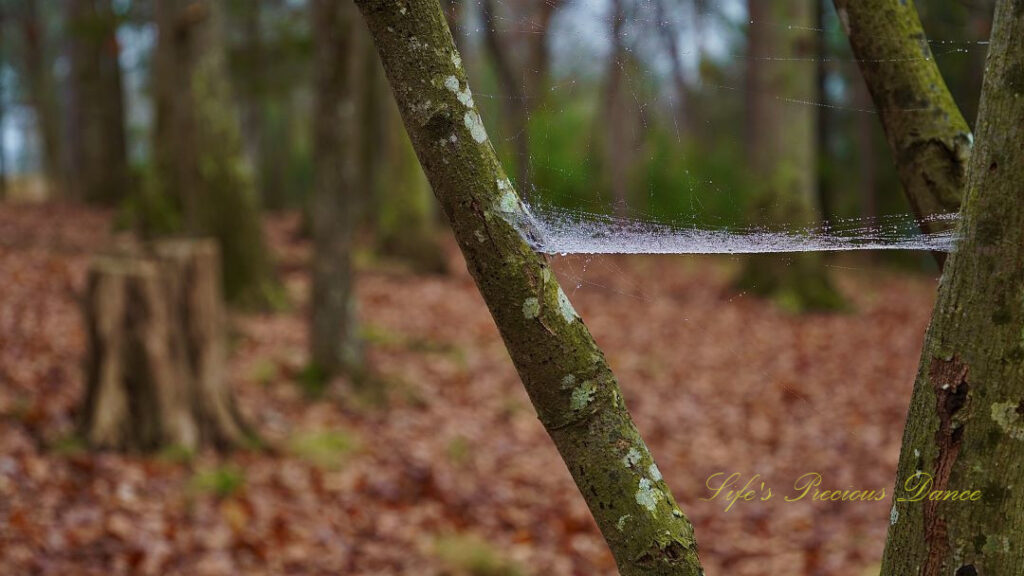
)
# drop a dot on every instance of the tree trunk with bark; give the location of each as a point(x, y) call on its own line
point(930, 140)
point(98, 154)
point(334, 345)
point(565, 374)
point(37, 68)
point(781, 152)
point(965, 429)
point(155, 373)
point(200, 167)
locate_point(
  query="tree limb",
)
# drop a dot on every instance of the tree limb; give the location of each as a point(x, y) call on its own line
point(930, 140)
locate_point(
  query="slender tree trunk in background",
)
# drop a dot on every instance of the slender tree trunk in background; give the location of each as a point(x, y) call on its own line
point(868, 183)
point(567, 377)
point(781, 152)
point(670, 38)
point(516, 102)
point(929, 138)
point(41, 93)
point(155, 374)
point(251, 101)
point(334, 343)
point(405, 213)
point(98, 152)
point(405, 220)
point(199, 159)
point(966, 422)
point(823, 126)
point(617, 145)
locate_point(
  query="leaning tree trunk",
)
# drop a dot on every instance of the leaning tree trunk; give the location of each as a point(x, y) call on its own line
point(929, 138)
point(155, 365)
point(966, 424)
point(781, 152)
point(333, 334)
point(565, 374)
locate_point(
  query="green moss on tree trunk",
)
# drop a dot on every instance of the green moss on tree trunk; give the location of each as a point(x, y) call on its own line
point(966, 423)
point(930, 140)
point(565, 374)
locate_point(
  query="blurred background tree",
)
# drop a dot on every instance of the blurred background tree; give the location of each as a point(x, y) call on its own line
point(637, 107)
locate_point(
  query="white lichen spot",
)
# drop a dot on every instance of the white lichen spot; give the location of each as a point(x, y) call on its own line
point(894, 516)
point(475, 126)
point(678, 513)
point(1007, 415)
point(402, 10)
point(621, 524)
point(531, 308)
point(456, 60)
point(632, 458)
point(480, 236)
point(568, 382)
point(565, 307)
point(508, 202)
point(648, 495)
point(654, 472)
point(464, 95)
point(917, 453)
point(582, 396)
point(453, 138)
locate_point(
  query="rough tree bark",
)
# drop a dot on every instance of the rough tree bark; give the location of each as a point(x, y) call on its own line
point(333, 335)
point(98, 151)
point(155, 364)
point(199, 159)
point(567, 377)
point(781, 152)
point(966, 422)
point(930, 140)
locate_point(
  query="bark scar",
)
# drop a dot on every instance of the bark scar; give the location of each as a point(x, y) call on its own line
point(949, 380)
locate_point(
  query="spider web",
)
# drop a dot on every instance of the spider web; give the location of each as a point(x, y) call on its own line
point(568, 212)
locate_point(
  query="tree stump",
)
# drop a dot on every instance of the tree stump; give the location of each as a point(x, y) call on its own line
point(156, 352)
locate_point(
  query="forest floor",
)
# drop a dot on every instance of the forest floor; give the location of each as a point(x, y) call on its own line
point(448, 470)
